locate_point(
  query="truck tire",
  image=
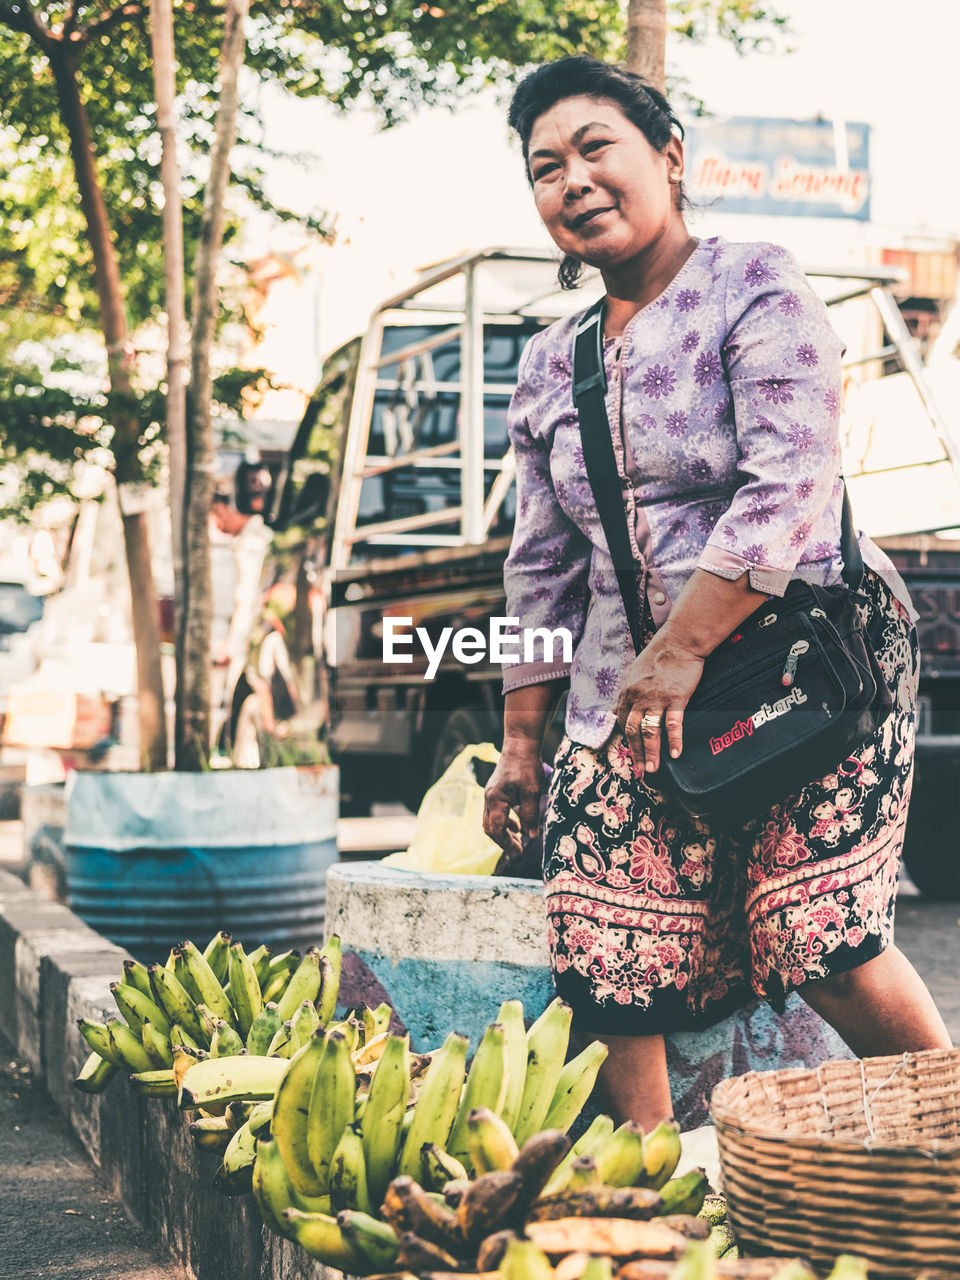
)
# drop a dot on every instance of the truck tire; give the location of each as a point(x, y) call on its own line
point(931, 850)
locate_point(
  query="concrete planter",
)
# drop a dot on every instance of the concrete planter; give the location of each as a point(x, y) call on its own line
point(155, 858)
point(447, 950)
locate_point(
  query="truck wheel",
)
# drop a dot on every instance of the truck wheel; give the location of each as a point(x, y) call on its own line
point(930, 852)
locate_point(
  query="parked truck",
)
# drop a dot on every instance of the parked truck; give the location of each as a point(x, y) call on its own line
point(394, 508)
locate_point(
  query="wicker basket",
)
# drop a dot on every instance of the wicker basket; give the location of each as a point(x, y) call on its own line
point(853, 1157)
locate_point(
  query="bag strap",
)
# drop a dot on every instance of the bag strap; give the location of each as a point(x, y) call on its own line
point(589, 387)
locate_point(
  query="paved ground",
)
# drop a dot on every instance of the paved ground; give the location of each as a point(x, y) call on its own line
point(57, 1220)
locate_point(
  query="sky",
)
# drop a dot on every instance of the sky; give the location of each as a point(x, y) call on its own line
point(450, 181)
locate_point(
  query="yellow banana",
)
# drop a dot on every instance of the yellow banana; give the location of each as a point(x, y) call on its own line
point(180, 1038)
point(584, 1173)
point(348, 1174)
point(524, 1261)
point(437, 1103)
point(235, 1175)
point(486, 1087)
point(95, 1074)
point(184, 976)
point(273, 1190)
point(574, 1087)
point(371, 1050)
point(439, 1168)
point(510, 1018)
point(284, 1044)
point(245, 994)
point(155, 1084)
point(323, 1239)
point(290, 1111)
point(620, 1161)
point(211, 1133)
point(98, 1038)
point(661, 1154)
point(331, 1103)
point(685, 1194)
point(305, 1022)
point(374, 1241)
point(547, 1042)
point(491, 1143)
point(260, 959)
point(381, 1126)
point(220, 1081)
point(260, 1117)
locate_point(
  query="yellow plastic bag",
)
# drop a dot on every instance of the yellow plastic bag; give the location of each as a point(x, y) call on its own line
point(449, 838)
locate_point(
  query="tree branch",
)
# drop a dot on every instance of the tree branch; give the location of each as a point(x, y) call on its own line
point(130, 10)
point(19, 15)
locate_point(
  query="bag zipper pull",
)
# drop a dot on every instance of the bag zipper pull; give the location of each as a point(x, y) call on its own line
point(793, 657)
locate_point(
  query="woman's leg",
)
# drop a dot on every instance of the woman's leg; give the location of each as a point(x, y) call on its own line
point(634, 1080)
point(880, 1007)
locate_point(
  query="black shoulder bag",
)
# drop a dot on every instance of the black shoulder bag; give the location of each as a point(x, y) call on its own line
point(787, 696)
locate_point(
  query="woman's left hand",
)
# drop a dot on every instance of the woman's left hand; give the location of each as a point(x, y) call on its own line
point(658, 684)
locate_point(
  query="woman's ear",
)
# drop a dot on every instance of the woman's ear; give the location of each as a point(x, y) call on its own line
point(673, 152)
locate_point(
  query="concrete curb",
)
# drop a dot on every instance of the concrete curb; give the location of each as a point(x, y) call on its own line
point(60, 970)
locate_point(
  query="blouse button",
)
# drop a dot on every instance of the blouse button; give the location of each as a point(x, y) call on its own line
point(659, 598)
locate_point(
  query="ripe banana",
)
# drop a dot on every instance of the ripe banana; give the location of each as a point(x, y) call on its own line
point(154, 1084)
point(290, 1111)
point(331, 1103)
point(510, 1018)
point(323, 1239)
point(136, 1008)
point(95, 1074)
point(437, 1103)
point(372, 1240)
point(135, 975)
point(547, 1042)
point(487, 1204)
point(303, 985)
point(348, 1174)
point(685, 1194)
point(175, 1001)
point(273, 1190)
point(486, 1087)
point(208, 984)
point(128, 1047)
point(491, 1144)
point(538, 1158)
point(421, 1257)
point(381, 1126)
point(217, 954)
point(409, 1208)
point(440, 1168)
point(245, 994)
point(598, 1201)
point(235, 1175)
point(574, 1086)
point(492, 1250)
point(157, 1045)
point(224, 1080)
point(620, 1162)
point(661, 1154)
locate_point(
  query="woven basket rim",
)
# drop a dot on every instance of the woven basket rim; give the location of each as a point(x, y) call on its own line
point(724, 1115)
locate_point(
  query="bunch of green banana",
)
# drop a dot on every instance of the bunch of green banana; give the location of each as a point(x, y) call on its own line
point(221, 1001)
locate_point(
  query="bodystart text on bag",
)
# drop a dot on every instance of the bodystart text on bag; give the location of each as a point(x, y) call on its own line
point(769, 711)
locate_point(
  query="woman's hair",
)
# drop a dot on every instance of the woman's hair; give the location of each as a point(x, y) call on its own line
point(581, 76)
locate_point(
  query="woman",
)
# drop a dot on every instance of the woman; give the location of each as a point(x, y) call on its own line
point(723, 398)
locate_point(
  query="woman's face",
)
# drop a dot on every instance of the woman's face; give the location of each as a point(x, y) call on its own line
point(603, 192)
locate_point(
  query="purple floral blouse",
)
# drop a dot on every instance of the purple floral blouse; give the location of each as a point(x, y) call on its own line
point(723, 396)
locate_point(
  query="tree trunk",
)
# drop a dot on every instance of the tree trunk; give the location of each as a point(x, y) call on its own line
point(164, 79)
point(123, 413)
point(647, 39)
point(193, 722)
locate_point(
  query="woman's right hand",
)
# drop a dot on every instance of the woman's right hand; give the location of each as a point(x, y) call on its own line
point(515, 785)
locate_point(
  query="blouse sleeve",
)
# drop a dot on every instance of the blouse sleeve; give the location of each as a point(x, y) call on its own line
point(545, 574)
point(783, 365)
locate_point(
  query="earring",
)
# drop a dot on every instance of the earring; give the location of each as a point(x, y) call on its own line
point(675, 177)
